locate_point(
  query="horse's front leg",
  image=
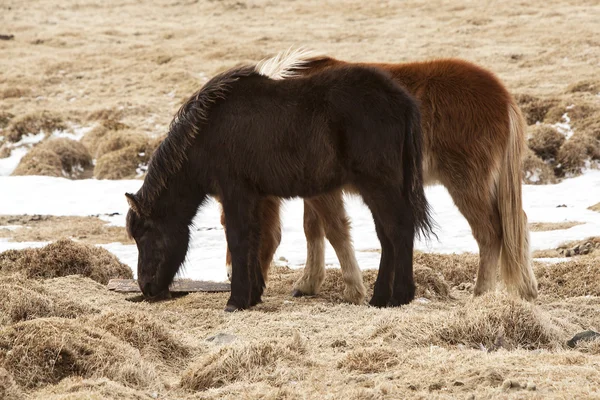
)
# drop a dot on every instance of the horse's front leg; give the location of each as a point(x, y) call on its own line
point(240, 224)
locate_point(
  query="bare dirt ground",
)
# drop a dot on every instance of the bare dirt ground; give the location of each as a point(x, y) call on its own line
point(124, 67)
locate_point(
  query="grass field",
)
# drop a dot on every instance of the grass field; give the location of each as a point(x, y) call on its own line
point(87, 89)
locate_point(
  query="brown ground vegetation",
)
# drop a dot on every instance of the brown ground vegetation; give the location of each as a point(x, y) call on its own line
point(536, 171)
point(39, 161)
point(65, 257)
point(33, 123)
point(45, 228)
point(552, 226)
point(289, 348)
point(545, 141)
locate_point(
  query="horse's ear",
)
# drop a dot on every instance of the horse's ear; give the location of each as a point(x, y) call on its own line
point(134, 203)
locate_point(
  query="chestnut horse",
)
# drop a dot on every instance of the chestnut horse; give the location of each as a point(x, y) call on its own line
point(473, 139)
point(251, 133)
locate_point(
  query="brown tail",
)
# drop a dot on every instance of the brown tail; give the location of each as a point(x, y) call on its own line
point(515, 260)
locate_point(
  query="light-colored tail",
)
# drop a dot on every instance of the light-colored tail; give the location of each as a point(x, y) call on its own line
point(515, 259)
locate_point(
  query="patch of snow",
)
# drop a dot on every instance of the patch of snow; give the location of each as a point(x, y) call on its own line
point(30, 139)
point(565, 127)
point(10, 163)
point(10, 227)
point(77, 134)
point(206, 257)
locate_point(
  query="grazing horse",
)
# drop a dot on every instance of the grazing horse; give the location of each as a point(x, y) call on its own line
point(250, 134)
point(473, 139)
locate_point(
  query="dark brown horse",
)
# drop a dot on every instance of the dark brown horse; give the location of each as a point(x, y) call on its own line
point(473, 138)
point(250, 134)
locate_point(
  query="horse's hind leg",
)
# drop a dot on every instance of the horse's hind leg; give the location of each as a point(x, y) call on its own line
point(394, 224)
point(243, 235)
point(314, 270)
point(477, 204)
point(334, 222)
point(270, 230)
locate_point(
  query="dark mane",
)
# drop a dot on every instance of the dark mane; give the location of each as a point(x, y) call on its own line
point(172, 152)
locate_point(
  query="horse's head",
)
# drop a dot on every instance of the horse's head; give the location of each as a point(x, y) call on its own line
point(162, 245)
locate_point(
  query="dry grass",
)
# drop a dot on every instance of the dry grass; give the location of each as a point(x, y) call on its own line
point(58, 157)
point(291, 348)
point(33, 123)
point(44, 351)
point(545, 141)
point(595, 207)
point(8, 388)
point(5, 118)
point(534, 109)
point(40, 161)
point(63, 258)
point(536, 171)
point(589, 86)
point(45, 228)
point(120, 164)
point(552, 226)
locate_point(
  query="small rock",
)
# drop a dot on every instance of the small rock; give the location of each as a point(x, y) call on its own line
point(436, 386)
point(412, 387)
point(339, 343)
point(561, 205)
point(510, 384)
point(531, 386)
point(585, 335)
point(7, 37)
point(458, 383)
point(221, 338)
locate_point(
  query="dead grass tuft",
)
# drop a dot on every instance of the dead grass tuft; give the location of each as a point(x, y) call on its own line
point(65, 257)
point(74, 156)
point(39, 161)
point(34, 123)
point(552, 226)
point(595, 207)
point(588, 86)
point(45, 228)
point(119, 164)
point(243, 362)
point(545, 141)
point(117, 140)
point(8, 388)
point(5, 151)
point(455, 268)
point(534, 108)
point(25, 299)
point(77, 388)
point(573, 155)
point(5, 118)
point(578, 277)
point(497, 320)
point(14, 92)
point(536, 171)
point(144, 332)
point(369, 361)
point(45, 351)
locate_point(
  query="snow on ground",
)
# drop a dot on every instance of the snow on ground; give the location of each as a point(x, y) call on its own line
point(58, 196)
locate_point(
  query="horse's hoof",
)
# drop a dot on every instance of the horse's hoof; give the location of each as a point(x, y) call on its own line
point(378, 302)
point(298, 293)
point(232, 308)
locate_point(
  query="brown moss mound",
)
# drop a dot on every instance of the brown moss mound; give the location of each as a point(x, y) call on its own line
point(76, 388)
point(25, 299)
point(545, 141)
point(45, 351)
point(5, 118)
point(8, 388)
point(117, 140)
point(39, 161)
point(370, 361)
point(578, 277)
point(573, 155)
point(534, 108)
point(145, 333)
point(65, 257)
point(120, 164)
point(247, 362)
point(496, 320)
point(74, 156)
point(536, 171)
point(588, 86)
point(455, 268)
point(33, 123)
